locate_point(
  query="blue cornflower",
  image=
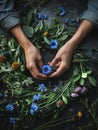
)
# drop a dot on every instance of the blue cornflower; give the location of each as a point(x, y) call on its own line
point(34, 107)
point(6, 54)
point(67, 21)
point(1, 95)
point(24, 5)
point(39, 16)
point(44, 17)
point(37, 97)
point(62, 11)
point(54, 44)
point(74, 20)
point(46, 69)
point(32, 112)
point(9, 107)
point(55, 88)
point(42, 87)
point(59, 84)
point(12, 120)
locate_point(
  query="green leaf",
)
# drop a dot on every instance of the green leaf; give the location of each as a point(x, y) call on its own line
point(89, 72)
point(28, 101)
point(76, 78)
point(75, 71)
point(29, 18)
point(64, 99)
point(82, 81)
point(28, 30)
point(46, 40)
point(84, 75)
point(64, 37)
point(92, 81)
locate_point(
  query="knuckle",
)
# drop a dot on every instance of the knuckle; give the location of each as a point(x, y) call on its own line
point(30, 66)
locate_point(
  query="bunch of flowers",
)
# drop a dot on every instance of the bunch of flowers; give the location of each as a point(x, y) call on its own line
point(21, 97)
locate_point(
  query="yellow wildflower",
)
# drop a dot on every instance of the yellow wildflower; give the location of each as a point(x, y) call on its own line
point(80, 114)
point(3, 58)
point(46, 34)
point(15, 65)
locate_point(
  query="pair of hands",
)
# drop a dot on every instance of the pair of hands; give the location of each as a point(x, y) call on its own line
point(34, 62)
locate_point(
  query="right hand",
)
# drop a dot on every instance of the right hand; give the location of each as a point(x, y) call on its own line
point(34, 62)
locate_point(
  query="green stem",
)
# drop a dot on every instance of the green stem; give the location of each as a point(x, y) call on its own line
point(53, 124)
point(57, 96)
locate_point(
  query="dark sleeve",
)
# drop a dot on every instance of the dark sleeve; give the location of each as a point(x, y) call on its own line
point(91, 14)
point(8, 16)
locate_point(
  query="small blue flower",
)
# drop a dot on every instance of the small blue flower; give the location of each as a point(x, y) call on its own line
point(32, 112)
point(9, 107)
point(44, 17)
point(55, 88)
point(54, 44)
point(39, 16)
point(62, 11)
point(6, 54)
point(34, 107)
point(42, 87)
point(1, 95)
point(37, 97)
point(67, 21)
point(73, 20)
point(46, 69)
point(24, 5)
point(12, 120)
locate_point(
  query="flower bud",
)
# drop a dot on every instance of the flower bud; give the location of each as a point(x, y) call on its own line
point(84, 90)
point(74, 95)
point(77, 90)
point(59, 103)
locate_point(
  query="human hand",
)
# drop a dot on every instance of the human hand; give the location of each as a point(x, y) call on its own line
point(34, 62)
point(62, 60)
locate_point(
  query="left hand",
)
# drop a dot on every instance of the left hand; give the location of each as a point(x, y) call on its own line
point(61, 60)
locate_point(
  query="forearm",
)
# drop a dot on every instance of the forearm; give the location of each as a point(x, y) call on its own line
point(83, 30)
point(21, 37)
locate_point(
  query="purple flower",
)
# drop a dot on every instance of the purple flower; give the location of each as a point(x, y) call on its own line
point(12, 120)
point(37, 97)
point(54, 44)
point(84, 90)
point(46, 69)
point(77, 90)
point(9, 107)
point(74, 95)
point(62, 11)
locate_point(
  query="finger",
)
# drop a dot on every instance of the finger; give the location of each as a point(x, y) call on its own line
point(59, 71)
point(40, 63)
point(54, 61)
point(35, 72)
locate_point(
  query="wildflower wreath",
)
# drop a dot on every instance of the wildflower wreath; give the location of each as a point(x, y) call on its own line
point(23, 98)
